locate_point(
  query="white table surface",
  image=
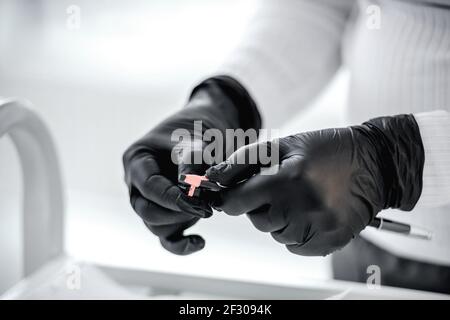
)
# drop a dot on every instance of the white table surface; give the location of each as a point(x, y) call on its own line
point(105, 230)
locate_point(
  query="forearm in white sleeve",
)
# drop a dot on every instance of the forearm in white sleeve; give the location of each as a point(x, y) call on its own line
point(289, 52)
point(435, 132)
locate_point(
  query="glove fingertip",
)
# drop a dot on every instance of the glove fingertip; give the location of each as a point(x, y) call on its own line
point(217, 172)
point(196, 243)
point(184, 246)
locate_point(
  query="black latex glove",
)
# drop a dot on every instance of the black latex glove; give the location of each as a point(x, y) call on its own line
point(330, 183)
point(152, 176)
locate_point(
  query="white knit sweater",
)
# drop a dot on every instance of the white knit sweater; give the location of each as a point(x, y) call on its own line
point(293, 47)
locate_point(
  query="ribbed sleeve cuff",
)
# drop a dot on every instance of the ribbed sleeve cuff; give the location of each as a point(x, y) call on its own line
point(435, 131)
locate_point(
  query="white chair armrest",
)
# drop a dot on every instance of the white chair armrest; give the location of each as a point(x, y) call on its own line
point(43, 225)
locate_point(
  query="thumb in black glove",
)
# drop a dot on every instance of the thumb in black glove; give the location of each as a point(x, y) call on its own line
point(330, 184)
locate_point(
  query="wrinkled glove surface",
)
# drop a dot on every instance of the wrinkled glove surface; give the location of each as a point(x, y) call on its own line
point(330, 184)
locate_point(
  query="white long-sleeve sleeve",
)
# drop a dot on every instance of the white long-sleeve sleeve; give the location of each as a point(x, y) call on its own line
point(435, 132)
point(404, 67)
point(290, 50)
point(432, 211)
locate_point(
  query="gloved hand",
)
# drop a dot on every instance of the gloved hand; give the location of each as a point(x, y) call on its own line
point(152, 175)
point(330, 183)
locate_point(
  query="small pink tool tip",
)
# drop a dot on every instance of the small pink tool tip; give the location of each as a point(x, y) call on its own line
point(194, 181)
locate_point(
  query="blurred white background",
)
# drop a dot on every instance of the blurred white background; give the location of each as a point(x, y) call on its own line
point(99, 88)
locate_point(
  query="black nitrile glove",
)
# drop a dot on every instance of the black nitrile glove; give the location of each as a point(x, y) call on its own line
point(330, 183)
point(152, 175)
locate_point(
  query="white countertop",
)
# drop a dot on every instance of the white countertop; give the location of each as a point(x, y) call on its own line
point(105, 230)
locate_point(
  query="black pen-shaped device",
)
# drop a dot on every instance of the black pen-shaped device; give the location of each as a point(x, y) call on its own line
point(402, 228)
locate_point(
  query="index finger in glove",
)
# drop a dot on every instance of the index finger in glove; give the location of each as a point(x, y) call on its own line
point(145, 176)
point(246, 196)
